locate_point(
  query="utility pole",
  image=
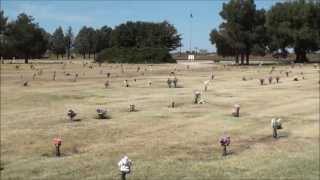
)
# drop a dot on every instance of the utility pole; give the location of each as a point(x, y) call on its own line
point(190, 40)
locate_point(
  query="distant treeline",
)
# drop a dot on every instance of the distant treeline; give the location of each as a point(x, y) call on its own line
point(23, 38)
point(245, 31)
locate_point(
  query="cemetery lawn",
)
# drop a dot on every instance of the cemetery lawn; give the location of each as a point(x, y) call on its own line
point(164, 143)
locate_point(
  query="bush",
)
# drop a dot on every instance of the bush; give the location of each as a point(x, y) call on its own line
point(135, 55)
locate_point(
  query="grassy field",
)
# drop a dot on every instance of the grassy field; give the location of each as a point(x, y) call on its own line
point(164, 143)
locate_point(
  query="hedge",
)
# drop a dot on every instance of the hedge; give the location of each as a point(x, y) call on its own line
point(135, 55)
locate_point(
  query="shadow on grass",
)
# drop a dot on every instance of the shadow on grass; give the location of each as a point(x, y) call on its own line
point(240, 146)
point(283, 134)
point(68, 151)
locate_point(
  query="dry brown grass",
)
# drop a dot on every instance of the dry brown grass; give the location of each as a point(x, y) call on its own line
point(163, 142)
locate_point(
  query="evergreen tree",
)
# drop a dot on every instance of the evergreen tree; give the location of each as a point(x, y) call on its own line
point(58, 42)
point(26, 39)
point(69, 41)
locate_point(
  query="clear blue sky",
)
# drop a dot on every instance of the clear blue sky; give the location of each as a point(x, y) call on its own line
point(53, 13)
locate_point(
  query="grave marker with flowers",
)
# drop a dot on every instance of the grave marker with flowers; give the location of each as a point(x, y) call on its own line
point(125, 165)
point(224, 142)
point(71, 114)
point(102, 113)
point(57, 143)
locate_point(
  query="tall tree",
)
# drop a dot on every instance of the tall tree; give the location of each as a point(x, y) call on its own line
point(169, 36)
point(41, 43)
point(3, 21)
point(243, 31)
point(224, 47)
point(27, 38)
point(92, 41)
point(69, 38)
point(296, 25)
point(3, 37)
point(146, 34)
point(58, 42)
point(103, 38)
point(82, 42)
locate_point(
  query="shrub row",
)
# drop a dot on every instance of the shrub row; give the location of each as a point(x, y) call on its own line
point(135, 55)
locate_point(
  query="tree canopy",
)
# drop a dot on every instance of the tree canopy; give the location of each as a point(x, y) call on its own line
point(242, 32)
point(91, 41)
point(136, 42)
point(25, 38)
point(69, 40)
point(130, 35)
point(82, 41)
point(246, 30)
point(58, 41)
point(146, 34)
point(295, 25)
point(3, 38)
point(103, 38)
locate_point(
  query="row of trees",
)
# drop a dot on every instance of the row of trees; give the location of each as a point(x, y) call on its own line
point(138, 42)
point(23, 38)
point(146, 34)
point(91, 41)
point(127, 35)
point(247, 30)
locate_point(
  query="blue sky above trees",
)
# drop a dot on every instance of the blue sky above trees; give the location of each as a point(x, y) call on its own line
point(51, 14)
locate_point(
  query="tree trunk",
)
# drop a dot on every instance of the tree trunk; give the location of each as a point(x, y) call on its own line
point(84, 55)
point(242, 58)
point(297, 57)
point(69, 53)
point(237, 59)
point(89, 55)
point(57, 56)
point(301, 57)
point(94, 56)
point(247, 58)
point(26, 60)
